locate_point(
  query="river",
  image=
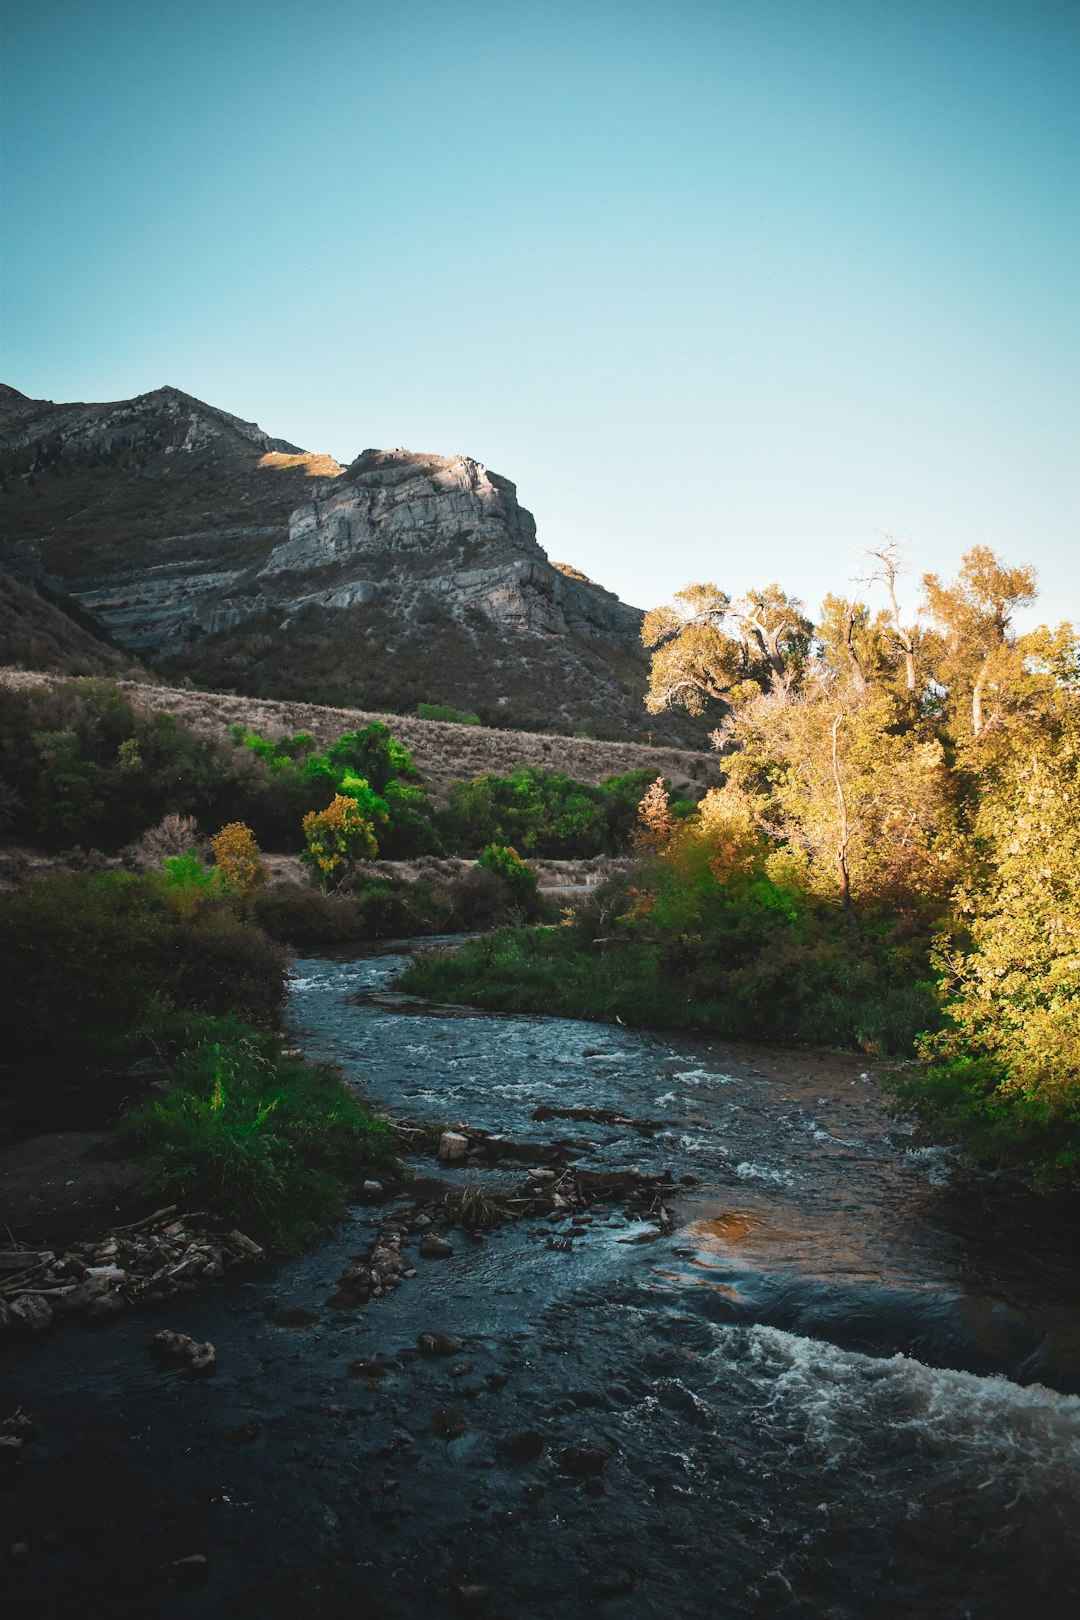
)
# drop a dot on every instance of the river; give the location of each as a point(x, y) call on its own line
point(843, 1382)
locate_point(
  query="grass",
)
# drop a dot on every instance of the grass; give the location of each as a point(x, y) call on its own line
point(273, 1144)
point(825, 998)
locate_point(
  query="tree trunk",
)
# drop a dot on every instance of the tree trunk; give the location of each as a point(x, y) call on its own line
point(976, 701)
point(842, 841)
point(857, 676)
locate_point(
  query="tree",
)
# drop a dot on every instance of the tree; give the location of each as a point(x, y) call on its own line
point(337, 835)
point(656, 824)
point(238, 857)
point(838, 775)
point(976, 612)
point(707, 648)
point(1011, 967)
point(885, 564)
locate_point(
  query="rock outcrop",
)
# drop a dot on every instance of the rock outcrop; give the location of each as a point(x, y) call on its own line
point(197, 542)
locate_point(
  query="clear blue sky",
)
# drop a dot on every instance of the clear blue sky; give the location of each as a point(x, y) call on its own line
point(725, 288)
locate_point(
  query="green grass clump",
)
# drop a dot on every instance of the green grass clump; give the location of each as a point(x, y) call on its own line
point(545, 970)
point(796, 989)
point(271, 1143)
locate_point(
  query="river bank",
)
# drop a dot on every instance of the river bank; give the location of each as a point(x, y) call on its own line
point(820, 1378)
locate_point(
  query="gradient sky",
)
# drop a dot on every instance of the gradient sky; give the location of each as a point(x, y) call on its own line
point(724, 288)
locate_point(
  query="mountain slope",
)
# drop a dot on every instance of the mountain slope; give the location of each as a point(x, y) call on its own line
point(219, 553)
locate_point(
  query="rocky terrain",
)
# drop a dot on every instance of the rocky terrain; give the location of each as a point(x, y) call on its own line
point(204, 546)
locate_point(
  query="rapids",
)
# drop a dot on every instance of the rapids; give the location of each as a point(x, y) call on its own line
point(845, 1381)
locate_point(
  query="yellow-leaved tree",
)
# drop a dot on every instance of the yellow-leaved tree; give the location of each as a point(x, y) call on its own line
point(238, 857)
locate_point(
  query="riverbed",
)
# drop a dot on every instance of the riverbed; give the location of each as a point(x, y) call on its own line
point(831, 1378)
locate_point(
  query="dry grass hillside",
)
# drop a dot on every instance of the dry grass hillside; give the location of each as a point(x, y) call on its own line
point(443, 752)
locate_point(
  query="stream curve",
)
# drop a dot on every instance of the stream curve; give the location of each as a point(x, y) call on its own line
point(834, 1379)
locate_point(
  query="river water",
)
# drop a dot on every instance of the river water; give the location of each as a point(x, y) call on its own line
point(842, 1383)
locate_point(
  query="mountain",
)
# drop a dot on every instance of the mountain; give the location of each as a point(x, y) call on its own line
point(37, 634)
point(216, 552)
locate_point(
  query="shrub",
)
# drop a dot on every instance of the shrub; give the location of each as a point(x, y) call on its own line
point(336, 835)
point(272, 1143)
point(98, 966)
point(519, 877)
point(443, 711)
point(238, 859)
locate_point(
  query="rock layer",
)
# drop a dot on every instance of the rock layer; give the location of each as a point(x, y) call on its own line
point(198, 542)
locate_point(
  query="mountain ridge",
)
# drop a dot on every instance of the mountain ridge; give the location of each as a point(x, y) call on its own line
point(213, 551)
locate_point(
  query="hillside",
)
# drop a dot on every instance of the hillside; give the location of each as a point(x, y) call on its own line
point(443, 752)
point(39, 634)
point(213, 551)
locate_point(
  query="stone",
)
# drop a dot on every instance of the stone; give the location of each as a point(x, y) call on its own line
point(191, 1570)
point(30, 1313)
point(446, 1424)
point(372, 1189)
point(524, 1446)
point(471, 1599)
point(583, 1462)
point(433, 1247)
point(438, 1344)
point(362, 1367)
point(168, 1346)
point(105, 1305)
point(295, 1316)
point(453, 1147)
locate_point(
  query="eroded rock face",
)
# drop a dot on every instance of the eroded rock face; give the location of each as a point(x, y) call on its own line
point(438, 537)
point(200, 543)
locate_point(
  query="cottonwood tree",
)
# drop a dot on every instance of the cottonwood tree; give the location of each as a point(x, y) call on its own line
point(834, 772)
point(709, 649)
point(982, 656)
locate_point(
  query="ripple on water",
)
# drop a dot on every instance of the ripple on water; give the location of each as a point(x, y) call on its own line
point(749, 1171)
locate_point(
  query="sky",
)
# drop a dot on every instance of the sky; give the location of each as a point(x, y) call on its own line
point(726, 289)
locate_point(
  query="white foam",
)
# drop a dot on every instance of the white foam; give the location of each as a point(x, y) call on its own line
point(748, 1171)
point(855, 1406)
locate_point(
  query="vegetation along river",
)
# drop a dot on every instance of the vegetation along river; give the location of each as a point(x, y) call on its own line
point(813, 1374)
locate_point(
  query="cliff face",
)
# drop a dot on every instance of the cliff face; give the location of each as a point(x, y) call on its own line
point(151, 513)
point(433, 536)
point(202, 544)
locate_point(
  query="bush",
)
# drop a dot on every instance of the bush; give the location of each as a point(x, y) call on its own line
point(238, 859)
point(96, 966)
point(272, 1143)
point(543, 813)
point(519, 878)
point(443, 711)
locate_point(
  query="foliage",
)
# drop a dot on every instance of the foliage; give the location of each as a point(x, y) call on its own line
point(238, 858)
point(97, 966)
point(371, 766)
point(506, 864)
point(444, 711)
point(82, 762)
point(914, 780)
point(543, 813)
point(656, 824)
point(338, 835)
point(272, 1143)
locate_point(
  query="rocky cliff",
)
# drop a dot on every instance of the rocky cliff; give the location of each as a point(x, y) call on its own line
point(200, 543)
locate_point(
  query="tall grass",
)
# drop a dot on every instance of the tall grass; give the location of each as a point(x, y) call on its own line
point(271, 1143)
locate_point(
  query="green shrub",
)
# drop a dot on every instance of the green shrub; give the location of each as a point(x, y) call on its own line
point(92, 966)
point(443, 711)
point(543, 813)
point(520, 879)
point(272, 1143)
